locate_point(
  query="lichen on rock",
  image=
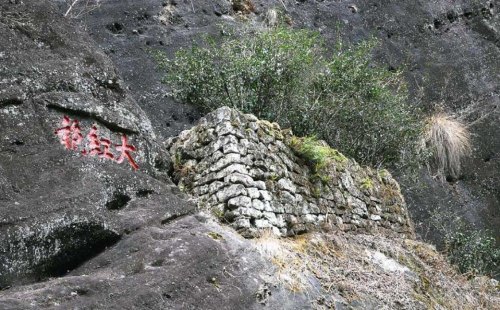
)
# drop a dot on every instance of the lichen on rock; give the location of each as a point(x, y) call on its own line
point(251, 173)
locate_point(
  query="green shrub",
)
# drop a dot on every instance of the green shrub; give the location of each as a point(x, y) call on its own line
point(289, 76)
point(474, 252)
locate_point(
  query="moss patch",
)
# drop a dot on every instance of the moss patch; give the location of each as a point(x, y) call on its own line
point(367, 183)
point(318, 155)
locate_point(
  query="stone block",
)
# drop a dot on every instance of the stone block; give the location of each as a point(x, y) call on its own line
point(265, 195)
point(250, 212)
point(257, 204)
point(253, 193)
point(287, 185)
point(231, 191)
point(238, 202)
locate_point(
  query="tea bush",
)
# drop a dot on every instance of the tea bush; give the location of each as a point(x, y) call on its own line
point(290, 77)
point(474, 252)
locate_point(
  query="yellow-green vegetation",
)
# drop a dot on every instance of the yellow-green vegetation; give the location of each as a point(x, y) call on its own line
point(218, 213)
point(383, 173)
point(367, 183)
point(316, 191)
point(273, 177)
point(215, 236)
point(318, 155)
point(289, 76)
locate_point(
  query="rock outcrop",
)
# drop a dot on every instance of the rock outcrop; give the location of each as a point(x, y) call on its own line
point(59, 208)
point(82, 232)
point(245, 171)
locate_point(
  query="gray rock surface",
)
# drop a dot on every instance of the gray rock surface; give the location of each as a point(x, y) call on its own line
point(186, 263)
point(58, 207)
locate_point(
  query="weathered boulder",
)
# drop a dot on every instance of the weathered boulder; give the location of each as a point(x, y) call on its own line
point(58, 208)
point(187, 263)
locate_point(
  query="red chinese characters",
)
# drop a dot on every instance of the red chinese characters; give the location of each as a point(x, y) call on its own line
point(71, 137)
point(70, 134)
point(125, 150)
point(94, 143)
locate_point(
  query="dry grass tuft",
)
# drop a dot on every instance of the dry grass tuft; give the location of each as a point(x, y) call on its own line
point(449, 140)
point(338, 268)
point(271, 19)
point(291, 270)
point(166, 14)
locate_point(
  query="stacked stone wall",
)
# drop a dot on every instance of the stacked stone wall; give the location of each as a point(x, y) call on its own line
point(244, 170)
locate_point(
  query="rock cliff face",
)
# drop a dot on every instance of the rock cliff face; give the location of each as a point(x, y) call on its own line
point(447, 49)
point(245, 171)
point(81, 232)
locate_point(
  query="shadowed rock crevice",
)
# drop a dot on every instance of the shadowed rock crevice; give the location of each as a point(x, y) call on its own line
point(80, 242)
point(118, 201)
point(115, 28)
point(51, 252)
point(79, 113)
point(10, 101)
point(144, 192)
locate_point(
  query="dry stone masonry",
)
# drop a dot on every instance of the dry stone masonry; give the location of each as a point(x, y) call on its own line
point(244, 170)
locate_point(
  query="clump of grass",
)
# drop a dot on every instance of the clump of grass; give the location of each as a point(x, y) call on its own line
point(271, 18)
point(215, 236)
point(318, 155)
point(449, 141)
point(367, 183)
point(291, 270)
point(183, 171)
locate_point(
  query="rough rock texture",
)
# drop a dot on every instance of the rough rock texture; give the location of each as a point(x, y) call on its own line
point(186, 263)
point(244, 170)
point(83, 233)
point(448, 50)
point(80, 232)
point(57, 207)
point(361, 271)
